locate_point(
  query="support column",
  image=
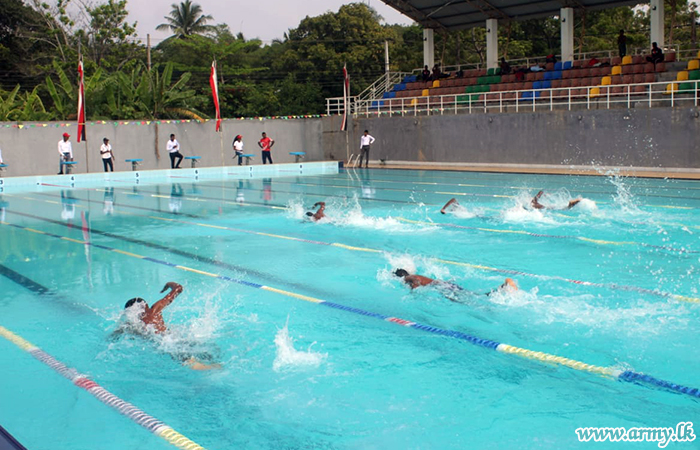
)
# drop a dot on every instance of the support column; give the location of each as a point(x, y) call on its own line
point(429, 47)
point(656, 13)
point(567, 34)
point(491, 43)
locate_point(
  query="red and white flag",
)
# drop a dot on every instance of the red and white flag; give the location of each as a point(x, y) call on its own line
point(346, 94)
point(215, 94)
point(81, 101)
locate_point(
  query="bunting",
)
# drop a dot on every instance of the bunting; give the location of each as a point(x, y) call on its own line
point(346, 94)
point(81, 101)
point(215, 94)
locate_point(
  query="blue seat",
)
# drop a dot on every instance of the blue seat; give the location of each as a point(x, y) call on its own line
point(545, 85)
point(194, 159)
point(556, 75)
point(134, 162)
point(558, 65)
point(399, 87)
point(568, 65)
point(548, 75)
point(537, 84)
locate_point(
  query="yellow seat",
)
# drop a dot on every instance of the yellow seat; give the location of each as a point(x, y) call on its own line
point(698, 54)
point(426, 92)
point(414, 102)
point(627, 59)
point(616, 70)
point(693, 64)
point(606, 81)
point(682, 75)
point(594, 92)
point(436, 83)
point(671, 87)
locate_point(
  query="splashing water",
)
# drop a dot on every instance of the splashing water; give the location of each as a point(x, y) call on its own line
point(289, 358)
point(623, 197)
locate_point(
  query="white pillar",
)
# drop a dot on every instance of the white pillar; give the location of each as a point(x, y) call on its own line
point(491, 43)
point(567, 34)
point(428, 47)
point(656, 11)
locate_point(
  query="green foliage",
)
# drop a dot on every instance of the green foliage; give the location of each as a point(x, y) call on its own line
point(186, 19)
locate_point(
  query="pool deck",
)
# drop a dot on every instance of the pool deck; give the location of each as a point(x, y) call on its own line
point(547, 169)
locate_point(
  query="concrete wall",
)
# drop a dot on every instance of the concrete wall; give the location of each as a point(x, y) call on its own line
point(32, 149)
point(658, 137)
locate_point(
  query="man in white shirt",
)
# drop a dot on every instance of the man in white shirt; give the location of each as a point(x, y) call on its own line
point(107, 155)
point(365, 141)
point(173, 148)
point(65, 150)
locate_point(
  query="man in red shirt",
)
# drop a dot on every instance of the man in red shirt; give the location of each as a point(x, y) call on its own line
point(266, 144)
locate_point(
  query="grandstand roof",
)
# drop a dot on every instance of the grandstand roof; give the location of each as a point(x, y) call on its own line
point(452, 15)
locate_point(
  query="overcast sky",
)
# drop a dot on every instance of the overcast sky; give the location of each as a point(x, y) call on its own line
point(264, 19)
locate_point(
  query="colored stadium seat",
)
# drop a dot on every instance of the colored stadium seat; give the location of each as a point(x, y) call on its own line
point(558, 65)
point(616, 61)
point(693, 64)
point(606, 81)
point(638, 59)
point(670, 57)
point(626, 60)
point(594, 92)
point(660, 67)
point(436, 84)
point(649, 78)
point(671, 87)
point(568, 65)
point(616, 70)
point(694, 75)
point(682, 75)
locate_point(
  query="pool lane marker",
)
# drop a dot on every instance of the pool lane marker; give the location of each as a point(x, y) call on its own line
point(148, 422)
point(552, 236)
point(612, 286)
point(628, 376)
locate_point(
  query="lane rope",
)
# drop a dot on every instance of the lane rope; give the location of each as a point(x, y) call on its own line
point(125, 408)
point(608, 372)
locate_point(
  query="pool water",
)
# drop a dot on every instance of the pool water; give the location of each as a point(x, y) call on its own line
point(612, 282)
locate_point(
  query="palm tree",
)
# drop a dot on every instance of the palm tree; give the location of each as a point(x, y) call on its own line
point(186, 19)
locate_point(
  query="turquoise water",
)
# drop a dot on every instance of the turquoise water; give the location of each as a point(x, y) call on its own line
point(297, 374)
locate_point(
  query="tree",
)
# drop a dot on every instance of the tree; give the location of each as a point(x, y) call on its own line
point(186, 19)
point(109, 31)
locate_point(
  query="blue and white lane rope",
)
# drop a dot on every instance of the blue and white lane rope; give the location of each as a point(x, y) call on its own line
point(148, 422)
point(608, 372)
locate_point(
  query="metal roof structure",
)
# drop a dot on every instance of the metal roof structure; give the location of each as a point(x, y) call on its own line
point(451, 15)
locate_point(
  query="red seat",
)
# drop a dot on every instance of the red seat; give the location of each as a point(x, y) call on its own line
point(585, 82)
point(530, 76)
point(616, 61)
point(576, 82)
point(616, 79)
point(627, 69)
point(539, 76)
point(660, 67)
point(481, 72)
point(566, 83)
point(638, 59)
point(670, 57)
point(649, 78)
point(617, 90)
point(649, 67)
point(556, 83)
point(638, 68)
point(545, 94)
point(639, 89)
point(549, 66)
point(527, 85)
point(509, 96)
point(577, 64)
point(639, 78)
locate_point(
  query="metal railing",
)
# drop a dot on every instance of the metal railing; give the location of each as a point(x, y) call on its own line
point(602, 97)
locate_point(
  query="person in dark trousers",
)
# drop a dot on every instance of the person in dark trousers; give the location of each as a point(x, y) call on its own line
point(238, 148)
point(173, 148)
point(505, 67)
point(365, 141)
point(65, 151)
point(622, 43)
point(657, 55)
point(107, 155)
point(426, 74)
point(266, 145)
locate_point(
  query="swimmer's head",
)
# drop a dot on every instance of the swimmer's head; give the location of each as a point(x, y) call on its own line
point(401, 273)
point(310, 214)
point(134, 301)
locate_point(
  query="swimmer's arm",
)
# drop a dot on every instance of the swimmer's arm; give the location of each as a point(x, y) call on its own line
point(321, 205)
point(158, 306)
point(453, 200)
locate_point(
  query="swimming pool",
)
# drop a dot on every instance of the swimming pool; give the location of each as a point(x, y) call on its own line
point(612, 283)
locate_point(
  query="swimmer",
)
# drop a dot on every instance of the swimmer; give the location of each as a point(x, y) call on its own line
point(318, 215)
point(153, 316)
point(537, 205)
point(416, 281)
point(453, 202)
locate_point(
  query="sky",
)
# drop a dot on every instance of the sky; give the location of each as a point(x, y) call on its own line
point(264, 19)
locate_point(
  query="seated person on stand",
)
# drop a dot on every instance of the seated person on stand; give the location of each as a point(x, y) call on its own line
point(657, 55)
point(505, 67)
point(426, 74)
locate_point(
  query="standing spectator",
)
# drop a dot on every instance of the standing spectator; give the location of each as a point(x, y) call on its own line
point(426, 74)
point(622, 43)
point(365, 141)
point(657, 55)
point(65, 150)
point(173, 148)
point(107, 155)
point(266, 144)
point(238, 148)
point(1, 157)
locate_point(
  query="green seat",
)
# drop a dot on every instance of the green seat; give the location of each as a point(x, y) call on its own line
point(485, 88)
point(496, 78)
point(462, 98)
point(475, 97)
point(491, 71)
point(686, 87)
point(482, 80)
point(694, 75)
point(469, 89)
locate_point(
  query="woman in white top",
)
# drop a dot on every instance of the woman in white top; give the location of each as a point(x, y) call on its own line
point(107, 155)
point(238, 148)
